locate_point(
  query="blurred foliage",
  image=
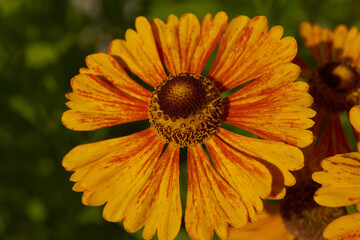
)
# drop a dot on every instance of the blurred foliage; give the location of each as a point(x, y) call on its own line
point(43, 43)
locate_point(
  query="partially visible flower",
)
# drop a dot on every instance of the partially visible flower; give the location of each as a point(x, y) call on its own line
point(334, 84)
point(297, 216)
point(137, 176)
point(340, 181)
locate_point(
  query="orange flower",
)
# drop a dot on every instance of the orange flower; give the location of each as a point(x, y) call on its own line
point(340, 181)
point(137, 176)
point(334, 84)
point(297, 216)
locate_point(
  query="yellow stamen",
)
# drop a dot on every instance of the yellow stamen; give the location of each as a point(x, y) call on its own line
point(186, 109)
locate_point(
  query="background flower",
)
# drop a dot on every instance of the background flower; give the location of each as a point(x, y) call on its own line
point(340, 187)
point(334, 84)
point(340, 180)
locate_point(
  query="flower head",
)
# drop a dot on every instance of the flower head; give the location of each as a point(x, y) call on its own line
point(137, 176)
point(340, 181)
point(334, 84)
point(297, 216)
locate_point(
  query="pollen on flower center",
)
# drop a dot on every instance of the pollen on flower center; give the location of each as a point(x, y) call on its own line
point(335, 87)
point(186, 109)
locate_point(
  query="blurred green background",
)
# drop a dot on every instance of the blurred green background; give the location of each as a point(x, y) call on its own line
point(43, 43)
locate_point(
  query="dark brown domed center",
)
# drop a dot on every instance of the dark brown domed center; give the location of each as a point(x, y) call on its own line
point(302, 216)
point(186, 109)
point(339, 76)
point(335, 87)
point(181, 96)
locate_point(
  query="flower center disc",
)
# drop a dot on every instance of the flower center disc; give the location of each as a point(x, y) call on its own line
point(182, 96)
point(186, 109)
point(335, 87)
point(302, 216)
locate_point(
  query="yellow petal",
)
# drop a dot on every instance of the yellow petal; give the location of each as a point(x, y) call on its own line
point(269, 227)
point(341, 169)
point(157, 205)
point(318, 40)
point(211, 33)
point(106, 66)
point(92, 152)
point(167, 37)
point(351, 45)
point(211, 203)
point(354, 116)
point(87, 71)
point(256, 51)
point(340, 181)
point(139, 53)
point(250, 178)
point(114, 171)
point(337, 196)
point(344, 228)
point(285, 157)
point(340, 33)
point(277, 194)
point(94, 104)
point(177, 41)
point(274, 107)
point(228, 41)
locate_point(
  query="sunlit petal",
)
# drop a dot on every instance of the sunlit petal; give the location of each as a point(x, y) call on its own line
point(211, 202)
point(211, 33)
point(285, 157)
point(106, 66)
point(157, 205)
point(228, 41)
point(274, 107)
point(340, 181)
point(256, 51)
point(95, 103)
point(114, 171)
point(354, 116)
point(251, 179)
point(177, 41)
point(139, 53)
point(344, 228)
